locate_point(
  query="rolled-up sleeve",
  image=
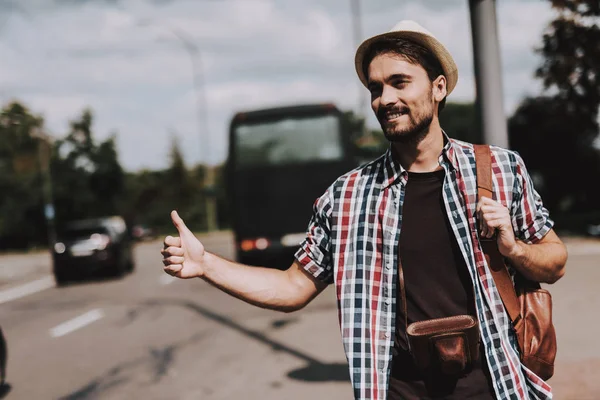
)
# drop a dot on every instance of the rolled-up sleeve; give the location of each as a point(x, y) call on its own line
point(315, 251)
point(531, 220)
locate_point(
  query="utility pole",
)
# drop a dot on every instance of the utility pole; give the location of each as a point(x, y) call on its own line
point(488, 72)
point(201, 117)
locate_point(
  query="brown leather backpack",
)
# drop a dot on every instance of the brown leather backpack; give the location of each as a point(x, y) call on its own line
point(527, 304)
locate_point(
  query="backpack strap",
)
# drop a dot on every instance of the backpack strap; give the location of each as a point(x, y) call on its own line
point(495, 260)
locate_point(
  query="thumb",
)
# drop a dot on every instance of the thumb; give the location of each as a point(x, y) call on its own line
point(180, 225)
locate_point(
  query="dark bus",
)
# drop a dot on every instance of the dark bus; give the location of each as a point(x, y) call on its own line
point(280, 161)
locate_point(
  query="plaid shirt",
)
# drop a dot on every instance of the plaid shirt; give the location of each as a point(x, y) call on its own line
point(352, 241)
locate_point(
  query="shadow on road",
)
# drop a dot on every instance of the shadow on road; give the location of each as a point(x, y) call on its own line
point(280, 323)
point(315, 371)
point(161, 359)
point(158, 360)
point(94, 388)
point(318, 372)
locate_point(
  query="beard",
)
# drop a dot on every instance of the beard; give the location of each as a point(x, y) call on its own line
point(414, 133)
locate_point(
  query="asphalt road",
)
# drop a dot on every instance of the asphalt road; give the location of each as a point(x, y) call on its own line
point(151, 336)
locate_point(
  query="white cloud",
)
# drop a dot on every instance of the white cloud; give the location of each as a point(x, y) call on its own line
point(138, 80)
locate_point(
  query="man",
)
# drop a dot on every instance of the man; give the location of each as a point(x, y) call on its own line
point(412, 213)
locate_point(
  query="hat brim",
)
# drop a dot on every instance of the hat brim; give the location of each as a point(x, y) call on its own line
point(429, 42)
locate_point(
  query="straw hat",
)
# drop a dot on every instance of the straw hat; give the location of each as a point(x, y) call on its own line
point(416, 33)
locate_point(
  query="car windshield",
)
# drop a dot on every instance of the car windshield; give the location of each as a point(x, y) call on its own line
point(81, 233)
point(288, 141)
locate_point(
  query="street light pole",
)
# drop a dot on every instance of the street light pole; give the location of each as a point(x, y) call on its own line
point(201, 117)
point(488, 72)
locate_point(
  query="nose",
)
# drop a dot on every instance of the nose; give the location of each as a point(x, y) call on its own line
point(388, 96)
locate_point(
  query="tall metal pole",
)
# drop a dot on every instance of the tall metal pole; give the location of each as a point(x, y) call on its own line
point(201, 117)
point(488, 72)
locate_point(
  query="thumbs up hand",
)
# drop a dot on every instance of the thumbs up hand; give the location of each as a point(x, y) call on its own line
point(183, 256)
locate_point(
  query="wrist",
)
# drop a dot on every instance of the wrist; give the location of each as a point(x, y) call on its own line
point(517, 251)
point(205, 265)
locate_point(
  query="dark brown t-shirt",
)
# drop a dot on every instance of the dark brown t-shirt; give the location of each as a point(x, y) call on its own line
point(437, 285)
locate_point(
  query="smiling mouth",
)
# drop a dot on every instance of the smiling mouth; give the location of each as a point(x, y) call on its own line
point(390, 116)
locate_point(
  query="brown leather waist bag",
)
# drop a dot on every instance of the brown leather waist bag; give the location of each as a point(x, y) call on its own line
point(527, 304)
point(447, 345)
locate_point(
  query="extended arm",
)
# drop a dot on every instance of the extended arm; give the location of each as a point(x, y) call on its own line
point(287, 291)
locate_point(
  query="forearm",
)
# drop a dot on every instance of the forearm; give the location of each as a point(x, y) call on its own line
point(541, 262)
point(263, 287)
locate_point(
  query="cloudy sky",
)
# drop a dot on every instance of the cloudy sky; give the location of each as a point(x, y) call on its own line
point(60, 56)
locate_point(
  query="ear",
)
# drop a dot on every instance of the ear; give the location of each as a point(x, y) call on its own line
point(439, 88)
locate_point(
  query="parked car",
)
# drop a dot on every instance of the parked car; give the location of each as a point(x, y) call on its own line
point(93, 246)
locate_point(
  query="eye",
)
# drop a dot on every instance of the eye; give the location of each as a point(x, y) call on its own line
point(400, 84)
point(375, 91)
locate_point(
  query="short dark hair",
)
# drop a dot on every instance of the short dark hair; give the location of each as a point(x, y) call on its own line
point(414, 52)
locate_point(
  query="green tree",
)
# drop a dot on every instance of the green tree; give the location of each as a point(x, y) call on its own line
point(107, 179)
point(88, 178)
point(181, 187)
point(571, 54)
point(144, 198)
point(21, 207)
point(555, 133)
point(151, 195)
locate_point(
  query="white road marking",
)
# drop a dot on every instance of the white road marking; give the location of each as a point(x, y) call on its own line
point(26, 289)
point(166, 279)
point(76, 323)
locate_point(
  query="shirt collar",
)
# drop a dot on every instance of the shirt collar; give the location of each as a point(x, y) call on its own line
point(394, 172)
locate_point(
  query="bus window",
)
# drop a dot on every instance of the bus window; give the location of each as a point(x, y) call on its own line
point(292, 140)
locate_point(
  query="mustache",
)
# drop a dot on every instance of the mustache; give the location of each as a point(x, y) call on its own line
point(397, 109)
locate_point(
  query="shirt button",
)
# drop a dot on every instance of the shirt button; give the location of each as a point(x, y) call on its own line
point(386, 335)
point(388, 266)
point(387, 302)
